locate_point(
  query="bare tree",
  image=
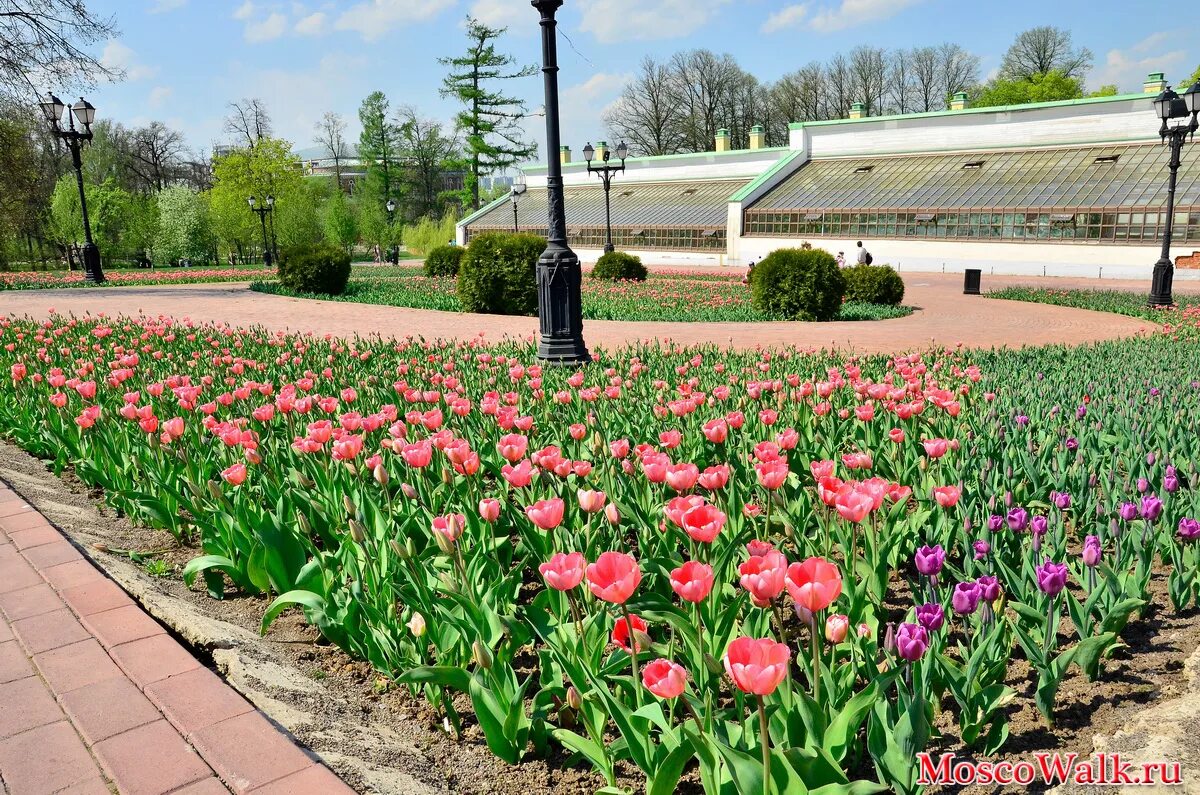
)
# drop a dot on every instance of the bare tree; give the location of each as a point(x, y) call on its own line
point(331, 135)
point(900, 82)
point(925, 68)
point(427, 154)
point(46, 42)
point(1043, 49)
point(867, 74)
point(156, 154)
point(647, 116)
point(249, 120)
point(704, 83)
point(958, 70)
point(839, 84)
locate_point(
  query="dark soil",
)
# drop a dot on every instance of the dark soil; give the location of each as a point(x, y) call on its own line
point(380, 739)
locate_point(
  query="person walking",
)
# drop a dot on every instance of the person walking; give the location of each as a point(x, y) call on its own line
point(864, 256)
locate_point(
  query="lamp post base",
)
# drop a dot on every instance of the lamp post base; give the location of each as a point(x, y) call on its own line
point(92, 270)
point(560, 283)
point(608, 248)
point(1160, 290)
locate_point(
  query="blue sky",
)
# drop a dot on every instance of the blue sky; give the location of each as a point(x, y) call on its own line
point(185, 60)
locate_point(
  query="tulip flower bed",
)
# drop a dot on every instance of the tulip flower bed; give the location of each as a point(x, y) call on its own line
point(51, 280)
point(1121, 302)
point(763, 572)
point(685, 297)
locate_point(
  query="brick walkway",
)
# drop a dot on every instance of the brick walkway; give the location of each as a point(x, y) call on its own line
point(95, 696)
point(944, 317)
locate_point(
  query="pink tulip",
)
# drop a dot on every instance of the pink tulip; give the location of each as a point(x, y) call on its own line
point(757, 665)
point(703, 522)
point(664, 678)
point(546, 514)
point(693, 581)
point(591, 501)
point(853, 505)
point(837, 626)
point(946, 496)
point(451, 525)
point(772, 474)
point(563, 571)
point(614, 577)
point(234, 475)
point(815, 584)
point(764, 576)
point(682, 477)
point(612, 514)
point(489, 509)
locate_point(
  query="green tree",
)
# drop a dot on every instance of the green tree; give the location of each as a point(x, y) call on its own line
point(267, 168)
point(490, 120)
point(183, 227)
point(428, 153)
point(141, 224)
point(379, 149)
point(298, 219)
point(1191, 81)
point(108, 212)
point(1049, 87)
point(341, 226)
point(21, 197)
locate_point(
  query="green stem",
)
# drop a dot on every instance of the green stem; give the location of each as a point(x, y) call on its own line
point(637, 684)
point(816, 658)
point(765, 742)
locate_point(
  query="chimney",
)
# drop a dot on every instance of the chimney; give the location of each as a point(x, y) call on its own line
point(601, 149)
point(1155, 83)
point(722, 140)
point(858, 110)
point(959, 101)
point(758, 138)
point(564, 154)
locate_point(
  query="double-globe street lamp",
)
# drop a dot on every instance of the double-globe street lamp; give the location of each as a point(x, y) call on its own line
point(52, 109)
point(559, 278)
point(1169, 106)
point(606, 173)
point(267, 207)
point(518, 190)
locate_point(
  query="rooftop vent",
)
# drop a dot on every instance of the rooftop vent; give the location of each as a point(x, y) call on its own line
point(688, 192)
point(1106, 159)
point(863, 169)
point(974, 164)
point(708, 233)
point(625, 193)
point(638, 233)
point(1062, 218)
point(926, 218)
point(813, 216)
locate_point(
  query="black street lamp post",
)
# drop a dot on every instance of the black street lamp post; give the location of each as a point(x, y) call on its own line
point(52, 109)
point(559, 278)
point(1167, 106)
point(606, 173)
point(267, 207)
point(518, 190)
point(394, 248)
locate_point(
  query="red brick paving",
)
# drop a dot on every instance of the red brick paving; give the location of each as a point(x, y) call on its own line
point(945, 317)
point(95, 696)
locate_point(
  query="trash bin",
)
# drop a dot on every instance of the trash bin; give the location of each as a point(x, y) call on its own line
point(971, 279)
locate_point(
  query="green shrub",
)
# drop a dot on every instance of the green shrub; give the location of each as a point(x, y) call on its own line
point(498, 274)
point(798, 284)
point(315, 268)
point(443, 261)
point(874, 284)
point(618, 265)
point(429, 233)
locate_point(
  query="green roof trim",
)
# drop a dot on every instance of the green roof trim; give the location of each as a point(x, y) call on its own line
point(482, 210)
point(800, 125)
point(762, 178)
point(582, 165)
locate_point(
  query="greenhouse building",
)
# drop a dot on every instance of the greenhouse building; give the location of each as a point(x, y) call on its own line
point(1062, 188)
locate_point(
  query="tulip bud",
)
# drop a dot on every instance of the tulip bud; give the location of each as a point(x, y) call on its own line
point(305, 526)
point(889, 639)
point(482, 655)
point(398, 549)
point(448, 581)
point(574, 701)
point(444, 543)
point(713, 665)
point(416, 624)
point(214, 489)
point(408, 491)
point(357, 531)
point(380, 474)
point(195, 490)
point(447, 478)
point(349, 506)
point(642, 640)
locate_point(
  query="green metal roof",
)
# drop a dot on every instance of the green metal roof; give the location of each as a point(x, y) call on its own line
point(696, 203)
point(1075, 178)
point(581, 165)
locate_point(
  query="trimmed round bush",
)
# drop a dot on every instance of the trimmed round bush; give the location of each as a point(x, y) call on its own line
point(874, 284)
point(618, 265)
point(498, 274)
point(798, 284)
point(316, 268)
point(443, 261)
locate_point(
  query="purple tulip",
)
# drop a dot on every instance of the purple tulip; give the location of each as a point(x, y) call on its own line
point(929, 560)
point(1128, 511)
point(1081, 412)
point(982, 548)
point(1154, 392)
point(889, 638)
point(1152, 508)
point(1143, 485)
point(1018, 519)
point(1150, 459)
point(965, 598)
point(989, 588)
point(1170, 484)
point(1189, 529)
point(1072, 443)
point(911, 641)
point(1171, 471)
point(1039, 525)
point(1061, 499)
point(1051, 577)
point(1091, 551)
point(930, 616)
point(995, 522)
point(1022, 420)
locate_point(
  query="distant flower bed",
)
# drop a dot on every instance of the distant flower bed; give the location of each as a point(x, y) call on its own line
point(1121, 302)
point(29, 280)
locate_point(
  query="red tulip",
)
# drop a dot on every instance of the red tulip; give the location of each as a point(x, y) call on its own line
point(622, 630)
point(757, 665)
point(693, 581)
point(614, 577)
point(703, 522)
point(764, 576)
point(563, 571)
point(664, 678)
point(234, 475)
point(815, 584)
point(546, 514)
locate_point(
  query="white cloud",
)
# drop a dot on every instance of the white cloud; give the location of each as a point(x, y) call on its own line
point(159, 95)
point(119, 57)
point(612, 21)
point(503, 13)
point(245, 11)
point(1127, 69)
point(311, 25)
point(374, 19)
point(582, 110)
point(851, 13)
point(270, 27)
point(297, 99)
point(163, 6)
point(786, 17)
